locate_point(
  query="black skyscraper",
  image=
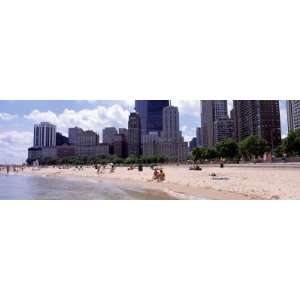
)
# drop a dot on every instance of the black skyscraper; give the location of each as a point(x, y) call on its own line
point(258, 117)
point(61, 139)
point(134, 135)
point(150, 112)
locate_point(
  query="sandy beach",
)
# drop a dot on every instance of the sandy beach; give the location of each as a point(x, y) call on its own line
point(232, 182)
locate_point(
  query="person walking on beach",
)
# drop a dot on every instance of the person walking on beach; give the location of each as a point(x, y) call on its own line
point(7, 169)
point(112, 168)
point(98, 169)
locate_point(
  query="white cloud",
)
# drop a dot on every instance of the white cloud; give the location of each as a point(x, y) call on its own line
point(94, 119)
point(283, 120)
point(230, 105)
point(188, 132)
point(7, 117)
point(188, 107)
point(128, 104)
point(14, 145)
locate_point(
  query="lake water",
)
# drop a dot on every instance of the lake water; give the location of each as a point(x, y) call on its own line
point(14, 187)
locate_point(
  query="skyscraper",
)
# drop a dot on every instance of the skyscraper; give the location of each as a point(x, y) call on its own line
point(134, 135)
point(223, 129)
point(150, 112)
point(61, 139)
point(293, 114)
point(108, 134)
point(123, 131)
point(211, 111)
point(193, 144)
point(257, 117)
point(79, 137)
point(199, 136)
point(150, 144)
point(171, 130)
point(170, 144)
point(44, 135)
point(119, 145)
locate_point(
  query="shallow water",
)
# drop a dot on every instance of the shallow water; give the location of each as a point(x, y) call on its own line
point(14, 187)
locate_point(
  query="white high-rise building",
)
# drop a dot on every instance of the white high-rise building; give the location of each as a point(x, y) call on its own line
point(171, 130)
point(170, 144)
point(44, 135)
point(293, 114)
point(150, 143)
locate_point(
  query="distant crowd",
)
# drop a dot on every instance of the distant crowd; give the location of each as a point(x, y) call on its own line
point(15, 169)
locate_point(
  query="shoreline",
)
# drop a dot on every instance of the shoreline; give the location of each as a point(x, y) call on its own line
point(177, 190)
point(126, 184)
point(233, 182)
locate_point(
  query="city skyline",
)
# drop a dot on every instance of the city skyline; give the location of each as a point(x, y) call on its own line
point(17, 119)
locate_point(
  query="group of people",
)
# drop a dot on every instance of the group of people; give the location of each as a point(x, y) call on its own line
point(101, 168)
point(159, 174)
point(14, 169)
point(79, 168)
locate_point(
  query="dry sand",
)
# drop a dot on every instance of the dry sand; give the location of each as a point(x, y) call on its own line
point(231, 182)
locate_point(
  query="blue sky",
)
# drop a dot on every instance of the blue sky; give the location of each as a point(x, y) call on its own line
point(18, 117)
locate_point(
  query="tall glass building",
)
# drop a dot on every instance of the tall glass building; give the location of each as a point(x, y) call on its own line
point(293, 114)
point(257, 117)
point(151, 114)
point(211, 111)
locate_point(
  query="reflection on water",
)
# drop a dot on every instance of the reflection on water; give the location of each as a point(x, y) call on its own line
point(14, 187)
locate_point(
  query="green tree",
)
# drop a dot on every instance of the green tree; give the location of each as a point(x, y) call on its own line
point(292, 144)
point(211, 153)
point(199, 154)
point(281, 149)
point(131, 160)
point(253, 146)
point(29, 161)
point(162, 159)
point(228, 149)
point(204, 153)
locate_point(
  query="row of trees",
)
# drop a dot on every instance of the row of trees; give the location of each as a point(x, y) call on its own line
point(251, 147)
point(101, 159)
point(290, 145)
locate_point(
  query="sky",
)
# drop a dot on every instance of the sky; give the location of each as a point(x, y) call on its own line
point(17, 119)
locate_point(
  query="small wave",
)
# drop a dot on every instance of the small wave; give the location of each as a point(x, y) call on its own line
point(181, 196)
